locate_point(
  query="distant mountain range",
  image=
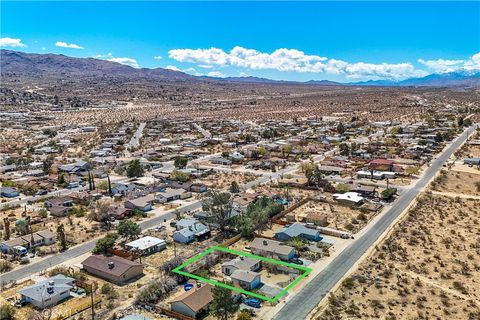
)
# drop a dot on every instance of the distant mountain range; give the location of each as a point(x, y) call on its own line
point(21, 64)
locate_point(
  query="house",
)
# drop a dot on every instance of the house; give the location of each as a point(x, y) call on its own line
point(272, 249)
point(381, 165)
point(146, 245)
point(120, 213)
point(78, 166)
point(189, 230)
point(221, 161)
point(240, 263)
point(59, 206)
point(8, 168)
point(237, 156)
point(49, 292)
point(246, 279)
point(115, 269)
point(123, 188)
point(377, 175)
point(193, 303)
point(63, 201)
point(349, 198)
point(366, 191)
point(143, 203)
point(241, 202)
point(472, 161)
point(9, 192)
point(198, 187)
point(297, 230)
point(36, 239)
point(169, 194)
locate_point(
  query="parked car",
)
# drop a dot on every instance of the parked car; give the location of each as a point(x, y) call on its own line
point(173, 224)
point(296, 261)
point(252, 302)
point(160, 228)
point(41, 192)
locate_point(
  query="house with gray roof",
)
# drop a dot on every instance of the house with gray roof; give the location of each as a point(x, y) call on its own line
point(246, 279)
point(240, 263)
point(49, 292)
point(297, 230)
point(272, 249)
point(189, 230)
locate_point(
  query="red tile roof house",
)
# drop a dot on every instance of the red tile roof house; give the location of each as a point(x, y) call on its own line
point(114, 269)
point(381, 165)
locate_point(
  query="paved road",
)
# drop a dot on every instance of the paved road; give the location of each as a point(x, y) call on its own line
point(205, 133)
point(319, 286)
point(55, 193)
point(134, 142)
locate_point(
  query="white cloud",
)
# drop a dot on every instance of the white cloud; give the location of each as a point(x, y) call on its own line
point(205, 66)
point(11, 42)
point(216, 74)
point(126, 61)
point(157, 57)
point(443, 66)
point(63, 44)
point(173, 68)
point(293, 60)
point(473, 64)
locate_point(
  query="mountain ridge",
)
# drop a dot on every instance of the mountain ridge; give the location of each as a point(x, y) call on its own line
point(58, 66)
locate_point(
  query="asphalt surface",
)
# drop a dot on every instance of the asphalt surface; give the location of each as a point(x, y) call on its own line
point(319, 286)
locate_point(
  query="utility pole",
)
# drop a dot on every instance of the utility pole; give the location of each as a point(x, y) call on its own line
point(91, 301)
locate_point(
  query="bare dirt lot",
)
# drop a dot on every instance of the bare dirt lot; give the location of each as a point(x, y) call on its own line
point(429, 268)
point(459, 182)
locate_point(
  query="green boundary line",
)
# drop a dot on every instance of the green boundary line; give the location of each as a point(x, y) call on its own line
point(178, 270)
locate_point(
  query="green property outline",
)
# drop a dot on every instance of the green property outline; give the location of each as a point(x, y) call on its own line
point(306, 272)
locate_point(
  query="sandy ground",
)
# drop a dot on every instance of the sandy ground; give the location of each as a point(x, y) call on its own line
point(459, 182)
point(427, 269)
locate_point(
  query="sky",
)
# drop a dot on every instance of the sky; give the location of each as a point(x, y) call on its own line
point(338, 41)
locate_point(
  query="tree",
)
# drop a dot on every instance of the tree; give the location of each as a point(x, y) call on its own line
point(244, 315)
point(103, 185)
point(223, 305)
point(61, 182)
point(180, 176)
point(344, 149)
point(313, 175)
point(135, 169)
point(109, 185)
point(102, 213)
point(298, 243)
point(47, 164)
point(128, 229)
point(340, 128)
point(234, 188)
point(7, 312)
point(6, 225)
point(219, 205)
point(388, 193)
point(257, 216)
point(180, 162)
point(286, 150)
point(106, 242)
point(62, 238)
point(413, 170)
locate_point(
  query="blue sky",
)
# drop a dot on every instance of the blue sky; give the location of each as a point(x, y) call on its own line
point(344, 41)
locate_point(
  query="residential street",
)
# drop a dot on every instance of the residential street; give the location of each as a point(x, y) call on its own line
point(319, 286)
